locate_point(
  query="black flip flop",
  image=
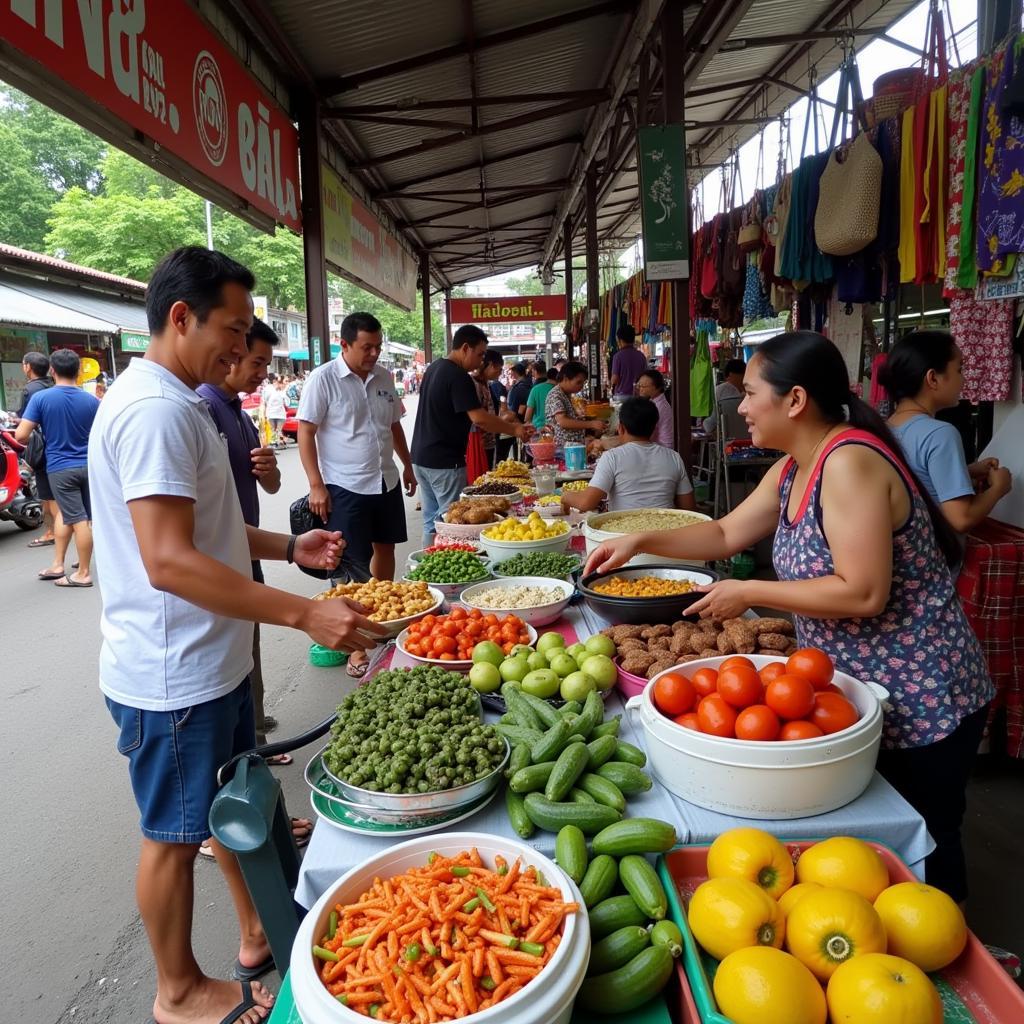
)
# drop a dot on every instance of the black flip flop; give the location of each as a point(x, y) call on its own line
point(66, 581)
point(40, 543)
point(48, 577)
point(247, 975)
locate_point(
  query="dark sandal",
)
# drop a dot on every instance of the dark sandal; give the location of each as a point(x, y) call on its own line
point(247, 1003)
point(67, 582)
point(248, 974)
point(356, 670)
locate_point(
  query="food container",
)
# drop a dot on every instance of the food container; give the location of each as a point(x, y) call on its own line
point(973, 987)
point(598, 411)
point(653, 610)
point(415, 557)
point(764, 780)
point(538, 615)
point(448, 591)
point(578, 563)
point(498, 550)
point(575, 457)
point(629, 685)
point(542, 451)
point(463, 531)
point(595, 535)
point(452, 666)
point(395, 626)
point(544, 479)
point(513, 497)
point(548, 999)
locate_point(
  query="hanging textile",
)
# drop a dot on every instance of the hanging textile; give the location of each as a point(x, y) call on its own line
point(983, 330)
point(1001, 174)
point(846, 331)
point(959, 101)
point(756, 305)
point(802, 261)
point(908, 192)
point(931, 198)
point(701, 377)
point(967, 269)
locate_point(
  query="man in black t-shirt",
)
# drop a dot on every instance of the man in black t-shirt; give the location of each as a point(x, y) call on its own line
point(36, 368)
point(448, 408)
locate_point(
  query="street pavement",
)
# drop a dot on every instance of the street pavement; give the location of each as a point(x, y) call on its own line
point(71, 938)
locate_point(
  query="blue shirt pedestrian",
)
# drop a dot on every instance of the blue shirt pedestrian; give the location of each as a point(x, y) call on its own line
point(64, 414)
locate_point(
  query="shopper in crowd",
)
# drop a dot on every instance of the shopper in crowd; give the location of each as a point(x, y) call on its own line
point(484, 379)
point(559, 413)
point(293, 392)
point(923, 375)
point(349, 433)
point(519, 393)
point(729, 391)
point(638, 472)
point(862, 556)
point(175, 565)
point(627, 364)
point(36, 367)
point(448, 407)
point(651, 385)
point(542, 385)
point(275, 408)
point(65, 414)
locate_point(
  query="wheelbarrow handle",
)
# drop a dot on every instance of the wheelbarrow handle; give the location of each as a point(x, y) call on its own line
point(277, 747)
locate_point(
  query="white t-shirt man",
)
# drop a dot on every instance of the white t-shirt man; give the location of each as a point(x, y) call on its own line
point(354, 444)
point(154, 437)
point(274, 402)
point(641, 475)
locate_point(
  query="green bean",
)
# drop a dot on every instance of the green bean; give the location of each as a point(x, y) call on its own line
point(326, 954)
point(470, 905)
point(460, 872)
point(356, 940)
point(332, 924)
point(412, 953)
point(488, 905)
point(487, 983)
point(533, 948)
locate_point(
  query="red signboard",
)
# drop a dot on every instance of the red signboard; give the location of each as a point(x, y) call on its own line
point(161, 69)
point(507, 309)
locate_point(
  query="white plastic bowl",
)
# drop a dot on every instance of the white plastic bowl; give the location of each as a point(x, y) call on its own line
point(538, 615)
point(547, 999)
point(454, 666)
point(764, 780)
point(498, 550)
point(595, 536)
point(463, 531)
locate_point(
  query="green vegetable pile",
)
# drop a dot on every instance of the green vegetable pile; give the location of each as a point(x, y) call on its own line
point(449, 567)
point(412, 731)
point(539, 563)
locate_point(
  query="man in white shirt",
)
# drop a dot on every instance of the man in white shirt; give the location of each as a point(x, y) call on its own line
point(174, 558)
point(275, 408)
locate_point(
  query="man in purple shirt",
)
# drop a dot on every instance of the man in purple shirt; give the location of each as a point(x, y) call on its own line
point(627, 364)
point(651, 385)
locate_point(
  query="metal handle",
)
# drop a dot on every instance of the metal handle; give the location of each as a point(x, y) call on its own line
point(278, 747)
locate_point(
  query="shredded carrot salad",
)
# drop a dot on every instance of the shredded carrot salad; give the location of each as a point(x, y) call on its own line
point(441, 941)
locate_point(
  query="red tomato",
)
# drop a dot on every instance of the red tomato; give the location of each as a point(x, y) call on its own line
point(674, 694)
point(705, 682)
point(736, 659)
point(832, 712)
point(790, 696)
point(413, 647)
point(832, 688)
point(491, 619)
point(688, 721)
point(457, 613)
point(740, 684)
point(451, 628)
point(475, 613)
point(799, 731)
point(716, 717)
point(758, 722)
point(771, 671)
point(812, 664)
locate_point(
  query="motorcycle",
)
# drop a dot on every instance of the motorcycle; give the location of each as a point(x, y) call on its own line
point(19, 503)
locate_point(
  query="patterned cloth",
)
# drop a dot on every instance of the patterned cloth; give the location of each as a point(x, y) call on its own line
point(991, 587)
point(921, 648)
point(756, 305)
point(984, 332)
point(967, 272)
point(959, 99)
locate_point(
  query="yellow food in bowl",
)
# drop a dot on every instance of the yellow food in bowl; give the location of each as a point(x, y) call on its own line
point(534, 527)
point(576, 485)
point(642, 586)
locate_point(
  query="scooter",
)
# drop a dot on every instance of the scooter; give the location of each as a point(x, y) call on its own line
point(19, 503)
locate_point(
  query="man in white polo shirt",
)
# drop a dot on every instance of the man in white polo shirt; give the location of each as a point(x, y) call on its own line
point(349, 432)
point(174, 558)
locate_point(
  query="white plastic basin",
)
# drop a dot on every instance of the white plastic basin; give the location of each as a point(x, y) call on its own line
point(595, 537)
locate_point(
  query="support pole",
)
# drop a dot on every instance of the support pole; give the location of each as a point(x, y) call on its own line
point(674, 79)
point(428, 354)
point(593, 350)
point(567, 252)
point(448, 320)
point(318, 326)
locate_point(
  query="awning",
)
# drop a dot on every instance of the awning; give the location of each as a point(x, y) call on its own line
point(60, 307)
point(285, 353)
point(20, 309)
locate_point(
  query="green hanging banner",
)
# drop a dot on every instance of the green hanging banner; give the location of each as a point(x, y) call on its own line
point(664, 201)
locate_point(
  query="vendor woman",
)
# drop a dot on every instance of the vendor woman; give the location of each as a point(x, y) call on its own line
point(862, 557)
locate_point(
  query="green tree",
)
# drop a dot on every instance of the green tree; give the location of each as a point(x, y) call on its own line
point(398, 325)
point(24, 199)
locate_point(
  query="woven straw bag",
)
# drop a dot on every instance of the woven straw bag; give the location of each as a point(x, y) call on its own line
point(846, 219)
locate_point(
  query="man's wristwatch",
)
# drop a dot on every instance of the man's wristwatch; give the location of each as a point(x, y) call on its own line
point(290, 553)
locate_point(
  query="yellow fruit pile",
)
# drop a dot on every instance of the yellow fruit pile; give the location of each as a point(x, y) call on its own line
point(534, 527)
point(844, 926)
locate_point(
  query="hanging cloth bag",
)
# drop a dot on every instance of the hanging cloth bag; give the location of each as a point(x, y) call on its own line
point(701, 377)
point(751, 237)
point(846, 218)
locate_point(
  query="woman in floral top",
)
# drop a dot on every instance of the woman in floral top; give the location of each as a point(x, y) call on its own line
point(559, 412)
point(862, 555)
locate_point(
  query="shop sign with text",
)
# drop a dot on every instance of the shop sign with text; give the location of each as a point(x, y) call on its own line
point(358, 245)
point(507, 309)
point(163, 71)
point(132, 342)
point(664, 201)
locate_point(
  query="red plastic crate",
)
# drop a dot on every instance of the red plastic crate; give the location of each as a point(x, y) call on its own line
point(974, 982)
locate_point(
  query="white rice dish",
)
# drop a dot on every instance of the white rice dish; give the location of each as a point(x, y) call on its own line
point(518, 597)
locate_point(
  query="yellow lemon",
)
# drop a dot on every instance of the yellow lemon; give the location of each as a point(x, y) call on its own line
point(762, 985)
point(831, 926)
point(844, 863)
point(788, 900)
point(727, 914)
point(882, 989)
point(923, 924)
point(753, 854)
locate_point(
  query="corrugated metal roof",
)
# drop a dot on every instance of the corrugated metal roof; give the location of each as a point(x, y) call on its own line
point(62, 307)
point(11, 253)
point(20, 309)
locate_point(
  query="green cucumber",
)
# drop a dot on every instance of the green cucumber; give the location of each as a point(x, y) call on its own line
point(547, 713)
point(528, 718)
point(599, 881)
point(517, 816)
point(550, 743)
point(641, 881)
point(641, 835)
point(616, 950)
point(576, 738)
point(631, 755)
point(614, 913)
point(603, 791)
point(666, 933)
point(591, 716)
point(602, 749)
point(570, 707)
point(551, 816)
point(532, 778)
point(571, 852)
point(626, 777)
point(516, 734)
point(509, 719)
point(630, 986)
point(609, 728)
point(520, 759)
point(577, 796)
point(568, 768)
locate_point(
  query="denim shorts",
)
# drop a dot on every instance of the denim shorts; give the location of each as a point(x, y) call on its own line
point(173, 757)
